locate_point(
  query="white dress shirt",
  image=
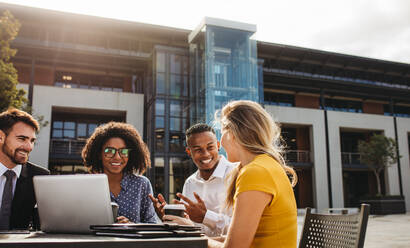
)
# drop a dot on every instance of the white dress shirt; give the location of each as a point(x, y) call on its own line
point(17, 170)
point(213, 193)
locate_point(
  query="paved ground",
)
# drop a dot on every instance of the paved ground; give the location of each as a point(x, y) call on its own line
point(383, 231)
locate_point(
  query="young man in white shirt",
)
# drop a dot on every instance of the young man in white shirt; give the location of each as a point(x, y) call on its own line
point(204, 191)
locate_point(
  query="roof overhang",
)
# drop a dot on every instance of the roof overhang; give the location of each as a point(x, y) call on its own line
point(220, 23)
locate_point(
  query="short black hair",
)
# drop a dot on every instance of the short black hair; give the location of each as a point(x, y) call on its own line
point(198, 128)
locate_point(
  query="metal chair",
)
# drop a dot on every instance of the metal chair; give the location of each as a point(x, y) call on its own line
point(335, 230)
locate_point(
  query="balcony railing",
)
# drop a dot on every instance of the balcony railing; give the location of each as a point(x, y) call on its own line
point(350, 158)
point(66, 147)
point(298, 156)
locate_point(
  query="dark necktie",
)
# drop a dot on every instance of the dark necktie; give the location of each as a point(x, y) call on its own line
point(7, 199)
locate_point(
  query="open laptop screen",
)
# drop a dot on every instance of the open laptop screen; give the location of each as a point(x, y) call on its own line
point(71, 203)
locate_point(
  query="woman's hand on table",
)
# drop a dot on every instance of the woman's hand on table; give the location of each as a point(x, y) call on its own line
point(123, 220)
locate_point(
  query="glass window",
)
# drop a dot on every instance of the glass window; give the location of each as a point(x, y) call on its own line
point(178, 85)
point(160, 62)
point(159, 141)
point(185, 68)
point(280, 99)
point(176, 142)
point(160, 107)
point(159, 175)
point(91, 128)
point(184, 86)
point(402, 111)
point(160, 83)
point(70, 85)
point(59, 84)
point(235, 55)
point(63, 129)
point(175, 85)
point(176, 63)
point(57, 133)
point(178, 108)
point(386, 108)
point(179, 170)
point(82, 130)
point(58, 124)
point(87, 81)
point(69, 134)
point(159, 122)
point(159, 133)
point(69, 125)
point(177, 124)
point(343, 105)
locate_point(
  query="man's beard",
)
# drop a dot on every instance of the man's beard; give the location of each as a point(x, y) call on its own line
point(13, 156)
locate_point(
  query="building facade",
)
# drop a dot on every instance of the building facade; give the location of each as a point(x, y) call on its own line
point(82, 71)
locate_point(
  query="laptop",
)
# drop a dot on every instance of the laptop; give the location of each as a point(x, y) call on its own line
point(71, 203)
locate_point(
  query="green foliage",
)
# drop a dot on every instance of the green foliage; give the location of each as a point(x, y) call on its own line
point(10, 96)
point(378, 153)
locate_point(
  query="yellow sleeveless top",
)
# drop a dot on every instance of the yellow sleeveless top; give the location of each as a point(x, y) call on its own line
point(278, 224)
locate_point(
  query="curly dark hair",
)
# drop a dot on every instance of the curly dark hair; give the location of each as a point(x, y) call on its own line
point(139, 158)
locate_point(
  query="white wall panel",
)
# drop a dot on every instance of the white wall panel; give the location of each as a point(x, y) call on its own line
point(338, 120)
point(315, 120)
point(46, 97)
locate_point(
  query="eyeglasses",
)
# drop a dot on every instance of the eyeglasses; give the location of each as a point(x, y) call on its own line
point(110, 152)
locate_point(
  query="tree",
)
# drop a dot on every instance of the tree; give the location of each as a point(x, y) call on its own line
point(378, 153)
point(10, 96)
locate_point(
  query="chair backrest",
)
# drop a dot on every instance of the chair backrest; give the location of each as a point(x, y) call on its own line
point(335, 230)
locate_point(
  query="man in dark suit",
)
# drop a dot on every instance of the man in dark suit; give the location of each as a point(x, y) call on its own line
point(17, 136)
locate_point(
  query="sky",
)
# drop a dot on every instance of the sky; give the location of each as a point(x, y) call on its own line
point(370, 28)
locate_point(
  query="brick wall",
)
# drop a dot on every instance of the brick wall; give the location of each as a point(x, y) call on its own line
point(42, 76)
point(127, 84)
point(373, 108)
point(23, 74)
point(307, 101)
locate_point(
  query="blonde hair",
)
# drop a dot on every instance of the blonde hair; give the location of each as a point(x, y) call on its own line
point(256, 131)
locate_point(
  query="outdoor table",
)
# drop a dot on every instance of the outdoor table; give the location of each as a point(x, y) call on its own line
point(47, 240)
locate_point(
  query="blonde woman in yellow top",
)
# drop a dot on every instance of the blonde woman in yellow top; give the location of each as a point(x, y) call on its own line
point(260, 191)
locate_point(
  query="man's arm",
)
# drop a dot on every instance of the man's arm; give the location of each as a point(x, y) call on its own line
point(217, 223)
point(214, 224)
point(246, 218)
point(24, 198)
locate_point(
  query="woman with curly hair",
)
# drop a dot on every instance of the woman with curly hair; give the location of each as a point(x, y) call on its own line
point(118, 150)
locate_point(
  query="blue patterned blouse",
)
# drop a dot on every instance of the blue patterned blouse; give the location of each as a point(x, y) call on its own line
point(133, 199)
